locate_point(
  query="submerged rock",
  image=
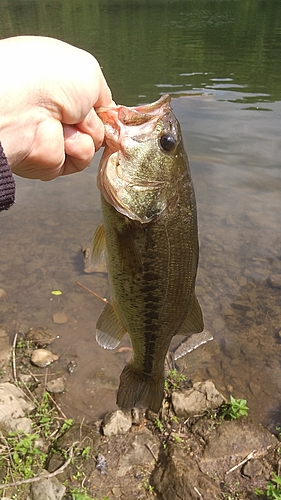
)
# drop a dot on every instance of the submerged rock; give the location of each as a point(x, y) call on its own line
point(43, 357)
point(40, 336)
point(275, 280)
point(57, 386)
point(60, 318)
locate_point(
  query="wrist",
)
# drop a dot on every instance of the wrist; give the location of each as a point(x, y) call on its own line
point(7, 183)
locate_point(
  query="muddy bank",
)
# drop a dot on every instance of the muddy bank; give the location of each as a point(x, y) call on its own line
point(187, 451)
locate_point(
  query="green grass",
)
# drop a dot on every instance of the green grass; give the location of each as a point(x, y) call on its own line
point(273, 489)
point(20, 455)
point(174, 380)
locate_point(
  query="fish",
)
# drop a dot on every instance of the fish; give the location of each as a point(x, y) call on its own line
point(149, 238)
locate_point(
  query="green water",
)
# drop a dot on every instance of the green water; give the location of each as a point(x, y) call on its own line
point(221, 62)
point(146, 47)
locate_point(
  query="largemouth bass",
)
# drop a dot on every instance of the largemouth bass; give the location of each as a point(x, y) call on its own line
point(150, 238)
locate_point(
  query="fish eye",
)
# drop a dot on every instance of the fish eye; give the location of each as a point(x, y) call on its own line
point(167, 142)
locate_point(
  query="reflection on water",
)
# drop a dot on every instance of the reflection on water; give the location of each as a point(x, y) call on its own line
point(227, 56)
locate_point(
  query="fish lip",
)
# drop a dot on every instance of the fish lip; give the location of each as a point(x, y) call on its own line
point(135, 115)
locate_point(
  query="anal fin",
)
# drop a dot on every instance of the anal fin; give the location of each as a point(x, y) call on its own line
point(193, 322)
point(110, 328)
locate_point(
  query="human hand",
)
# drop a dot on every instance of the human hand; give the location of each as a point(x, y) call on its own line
point(48, 94)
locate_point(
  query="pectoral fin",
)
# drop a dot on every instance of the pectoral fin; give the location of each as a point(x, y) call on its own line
point(110, 328)
point(97, 250)
point(128, 249)
point(193, 322)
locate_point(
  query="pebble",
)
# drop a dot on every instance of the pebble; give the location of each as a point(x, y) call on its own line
point(253, 468)
point(56, 386)
point(218, 324)
point(59, 318)
point(43, 357)
point(275, 280)
point(2, 293)
point(242, 281)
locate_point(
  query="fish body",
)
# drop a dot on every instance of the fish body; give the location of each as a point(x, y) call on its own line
point(150, 237)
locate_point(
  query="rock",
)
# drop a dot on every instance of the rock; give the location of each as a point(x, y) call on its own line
point(26, 378)
point(241, 305)
point(231, 442)
point(242, 281)
point(201, 397)
point(177, 477)
point(59, 318)
point(138, 452)
point(253, 468)
point(14, 408)
point(275, 280)
point(40, 336)
point(43, 357)
point(218, 324)
point(47, 489)
point(5, 349)
point(2, 293)
point(56, 386)
point(117, 422)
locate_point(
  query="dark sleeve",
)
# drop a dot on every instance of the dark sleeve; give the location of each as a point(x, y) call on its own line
point(7, 183)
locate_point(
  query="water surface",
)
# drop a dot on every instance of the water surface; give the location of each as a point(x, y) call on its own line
point(221, 62)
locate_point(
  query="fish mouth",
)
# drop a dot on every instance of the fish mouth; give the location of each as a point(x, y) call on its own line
point(136, 115)
point(125, 129)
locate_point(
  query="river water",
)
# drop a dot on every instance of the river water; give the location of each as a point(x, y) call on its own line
point(221, 62)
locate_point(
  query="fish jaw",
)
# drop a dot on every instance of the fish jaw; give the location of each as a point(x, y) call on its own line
point(134, 172)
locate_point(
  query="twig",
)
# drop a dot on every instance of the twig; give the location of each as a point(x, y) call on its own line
point(14, 356)
point(91, 291)
point(45, 383)
point(56, 405)
point(151, 451)
point(34, 377)
point(44, 475)
point(198, 493)
point(248, 457)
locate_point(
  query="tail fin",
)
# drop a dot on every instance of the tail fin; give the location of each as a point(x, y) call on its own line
point(138, 389)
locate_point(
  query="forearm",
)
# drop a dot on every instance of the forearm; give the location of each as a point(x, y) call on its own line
point(7, 183)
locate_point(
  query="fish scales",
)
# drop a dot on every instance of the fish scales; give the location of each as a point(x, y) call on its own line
point(151, 245)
